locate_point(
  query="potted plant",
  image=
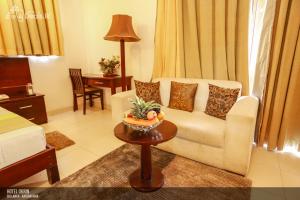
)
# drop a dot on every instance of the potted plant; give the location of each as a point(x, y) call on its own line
point(109, 67)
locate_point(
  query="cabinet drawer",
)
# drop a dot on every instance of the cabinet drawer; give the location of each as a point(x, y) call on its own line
point(24, 106)
point(32, 109)
point(98, 83)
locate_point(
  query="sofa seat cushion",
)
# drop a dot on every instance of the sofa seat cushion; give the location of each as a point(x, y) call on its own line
point(197, 126)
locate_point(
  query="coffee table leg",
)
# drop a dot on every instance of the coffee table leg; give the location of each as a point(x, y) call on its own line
point(147, 178)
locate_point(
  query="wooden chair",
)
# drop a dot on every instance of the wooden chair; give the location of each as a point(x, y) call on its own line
point(82, 90)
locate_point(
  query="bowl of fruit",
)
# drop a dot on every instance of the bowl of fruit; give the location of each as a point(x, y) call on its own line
point(144, 116)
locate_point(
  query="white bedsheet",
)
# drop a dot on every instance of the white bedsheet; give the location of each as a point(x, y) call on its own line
point(22, 143)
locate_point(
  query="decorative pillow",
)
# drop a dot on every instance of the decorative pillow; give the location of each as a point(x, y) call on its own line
point(220, 101)
point(148, 91)
point(182, 96)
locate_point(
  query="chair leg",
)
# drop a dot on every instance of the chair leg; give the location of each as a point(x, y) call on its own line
point(102, 100)
point(75, 105)
point(91, 100)
point(84, 104)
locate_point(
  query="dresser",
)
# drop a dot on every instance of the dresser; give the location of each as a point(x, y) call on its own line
point(14, 76)
point(30, 107)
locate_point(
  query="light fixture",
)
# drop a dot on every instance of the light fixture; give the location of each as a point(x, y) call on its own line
point(121, 30)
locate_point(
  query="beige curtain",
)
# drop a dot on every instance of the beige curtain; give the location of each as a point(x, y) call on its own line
point(202, 39)
point(260, 36)
point(281, 110)
point(30, 27)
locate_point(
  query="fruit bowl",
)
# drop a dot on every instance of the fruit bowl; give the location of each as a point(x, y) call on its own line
point(142, 128)
point(143, 116)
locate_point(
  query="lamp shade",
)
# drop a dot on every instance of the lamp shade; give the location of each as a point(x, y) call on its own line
point(121, 29)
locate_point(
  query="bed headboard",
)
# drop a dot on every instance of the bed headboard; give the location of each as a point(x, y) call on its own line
point(14, 76)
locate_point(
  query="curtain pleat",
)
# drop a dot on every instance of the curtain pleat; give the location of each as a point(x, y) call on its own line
point(205, 30)
point(159, 41)
point(283, 76)
point(20, 14)
point(51, 25)
point(7, 32)
point(33, 29)
point(290, 129)
point(214, 35)
point(17, 33)
point(231, 38)
point(38, 7)
point(220, 64)
point(191, 44)
point(241, 50)
point(180, 59)
point(30, 27)
point(58, 27)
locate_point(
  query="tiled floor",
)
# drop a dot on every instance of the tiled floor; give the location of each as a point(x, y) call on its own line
point(93, 135)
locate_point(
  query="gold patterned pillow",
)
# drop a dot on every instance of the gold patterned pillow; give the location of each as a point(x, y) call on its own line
point(182, 96)
point(148, 91)
point(220, 101)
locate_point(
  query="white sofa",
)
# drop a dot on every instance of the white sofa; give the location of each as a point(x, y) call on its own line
point(225, 144)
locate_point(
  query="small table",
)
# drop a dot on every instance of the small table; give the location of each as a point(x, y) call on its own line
point(107, 82)
point(147, 178)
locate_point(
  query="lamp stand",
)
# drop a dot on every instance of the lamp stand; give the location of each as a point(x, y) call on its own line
point(123, 69)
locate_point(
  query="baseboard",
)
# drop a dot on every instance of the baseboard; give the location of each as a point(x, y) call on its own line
point(59, 110)
point(70, 108)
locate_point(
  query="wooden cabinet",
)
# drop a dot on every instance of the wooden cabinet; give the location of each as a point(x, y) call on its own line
point(14, 76)
point(30, 107)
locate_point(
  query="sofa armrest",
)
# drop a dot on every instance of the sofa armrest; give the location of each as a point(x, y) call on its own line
point(120, 103)
point(239, 134)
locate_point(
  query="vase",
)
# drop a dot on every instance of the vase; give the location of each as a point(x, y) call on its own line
point(110, 75)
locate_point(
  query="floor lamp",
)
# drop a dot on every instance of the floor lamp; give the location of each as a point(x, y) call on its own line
point(121, 30)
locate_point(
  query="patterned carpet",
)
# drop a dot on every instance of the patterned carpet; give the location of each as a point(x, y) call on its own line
point(107, 178)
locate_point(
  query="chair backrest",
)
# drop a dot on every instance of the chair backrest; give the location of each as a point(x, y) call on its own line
point(77, 82)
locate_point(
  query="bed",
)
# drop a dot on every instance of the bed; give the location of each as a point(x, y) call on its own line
point(23, 150)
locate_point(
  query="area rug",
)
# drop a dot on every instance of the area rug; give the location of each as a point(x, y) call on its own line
point(107, 178)
point(58, 140)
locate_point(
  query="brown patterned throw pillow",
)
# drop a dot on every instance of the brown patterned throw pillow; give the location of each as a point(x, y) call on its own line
point(220, 101)
point(148, 91)
point(182, 96)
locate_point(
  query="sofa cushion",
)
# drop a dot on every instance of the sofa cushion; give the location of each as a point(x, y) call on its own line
point(220, 101)
point(202, 90)
point(182, 96)
point(197, 126)
point(148, 91)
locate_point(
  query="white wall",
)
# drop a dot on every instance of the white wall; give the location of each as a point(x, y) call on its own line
point(139, 55)
point(50, 75)
point(84, 24)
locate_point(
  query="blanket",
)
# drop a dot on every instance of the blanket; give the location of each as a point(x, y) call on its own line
point(10, 121)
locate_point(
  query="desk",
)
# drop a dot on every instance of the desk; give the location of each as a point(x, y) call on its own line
point(97, 80)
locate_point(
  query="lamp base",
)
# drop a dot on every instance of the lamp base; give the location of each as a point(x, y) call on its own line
point(123, 69)
point(110, 75)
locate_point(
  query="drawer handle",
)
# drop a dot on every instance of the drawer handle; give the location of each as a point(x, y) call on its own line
point(25, 107)
point(31, 119)
point(99, 82)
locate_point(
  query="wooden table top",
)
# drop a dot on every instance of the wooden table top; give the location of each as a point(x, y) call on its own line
point(164, 132)
point(100, 76)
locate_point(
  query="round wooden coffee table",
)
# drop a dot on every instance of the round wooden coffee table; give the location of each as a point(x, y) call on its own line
point(148, 178)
